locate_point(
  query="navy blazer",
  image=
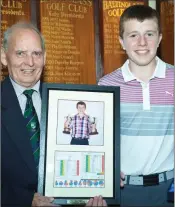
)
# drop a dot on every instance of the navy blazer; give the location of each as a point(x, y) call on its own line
point(18, 171)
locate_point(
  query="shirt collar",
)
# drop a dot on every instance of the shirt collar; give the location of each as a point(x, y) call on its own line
point(20, 89)
point(85, 115)
point(159, 70)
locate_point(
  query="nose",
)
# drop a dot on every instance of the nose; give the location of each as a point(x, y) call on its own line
point(29, 60)
point(142, 40)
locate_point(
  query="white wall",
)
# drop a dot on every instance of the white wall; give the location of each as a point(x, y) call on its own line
point(152, 3)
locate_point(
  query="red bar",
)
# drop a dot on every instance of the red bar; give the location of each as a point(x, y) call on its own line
point(78, 167)
point(103, 163)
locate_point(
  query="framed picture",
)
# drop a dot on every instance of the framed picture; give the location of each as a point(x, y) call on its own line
point(80, 143)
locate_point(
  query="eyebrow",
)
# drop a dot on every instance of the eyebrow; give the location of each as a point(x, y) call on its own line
point(21, 50)
point(138, 31)
point(152, 31)
point(37, 50)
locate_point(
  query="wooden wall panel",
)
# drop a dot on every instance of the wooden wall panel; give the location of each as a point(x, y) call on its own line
point(68, 28)
point(166, 9)
point(113, 56)
point(11, 12)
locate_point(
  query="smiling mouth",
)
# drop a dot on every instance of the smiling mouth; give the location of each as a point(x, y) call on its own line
point(27, 71)
point(141, 51)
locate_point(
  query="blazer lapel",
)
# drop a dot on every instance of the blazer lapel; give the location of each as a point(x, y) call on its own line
point(15, 123)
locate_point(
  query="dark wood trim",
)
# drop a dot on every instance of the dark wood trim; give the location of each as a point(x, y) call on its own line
point(101, 27)
point(158, 5)
point(158, 2)
point(98, 60)
point(33, 11)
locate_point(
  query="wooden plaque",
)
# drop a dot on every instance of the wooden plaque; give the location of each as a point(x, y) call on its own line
point(166, 9)
point(113, 56)
point(68, 28)
point(11, 12)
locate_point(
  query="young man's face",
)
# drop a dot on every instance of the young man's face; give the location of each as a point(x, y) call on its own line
point(24, 57)
point(81, 109)
point(141, 40)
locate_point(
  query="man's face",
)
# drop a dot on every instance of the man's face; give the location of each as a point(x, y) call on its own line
point(24, 57)
point(81, 109)
point(141, 40)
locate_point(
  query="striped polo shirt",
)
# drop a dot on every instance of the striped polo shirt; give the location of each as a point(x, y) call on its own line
point(147, 119)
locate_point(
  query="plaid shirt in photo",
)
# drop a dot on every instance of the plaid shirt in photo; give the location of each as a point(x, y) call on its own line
point(80, 126)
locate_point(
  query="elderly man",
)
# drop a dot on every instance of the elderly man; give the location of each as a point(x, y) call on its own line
point(23, 52)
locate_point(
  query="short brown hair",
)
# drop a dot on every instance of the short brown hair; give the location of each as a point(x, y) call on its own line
point(81, 103)
point(139, 12)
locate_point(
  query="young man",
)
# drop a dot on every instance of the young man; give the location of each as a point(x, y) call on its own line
point(80, 125)
point(24, 54)
point(146, 88)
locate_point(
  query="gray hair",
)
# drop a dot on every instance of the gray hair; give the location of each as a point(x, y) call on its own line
point(21, 25)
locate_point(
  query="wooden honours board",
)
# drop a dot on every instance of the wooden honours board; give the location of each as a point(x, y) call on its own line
point(68, 28)
point(166, 9)
point(113, 56)
point(11, 12)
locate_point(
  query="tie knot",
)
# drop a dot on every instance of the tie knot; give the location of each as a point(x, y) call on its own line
point(28, 93)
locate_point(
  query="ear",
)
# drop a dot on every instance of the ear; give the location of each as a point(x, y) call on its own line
point(160, 38)
point(122, 43)
point(44, 57)
point(3, 57)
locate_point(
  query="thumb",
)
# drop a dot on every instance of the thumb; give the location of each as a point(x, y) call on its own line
point(122, 175)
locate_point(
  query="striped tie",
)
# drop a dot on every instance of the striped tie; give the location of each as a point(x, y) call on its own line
point(32, 125)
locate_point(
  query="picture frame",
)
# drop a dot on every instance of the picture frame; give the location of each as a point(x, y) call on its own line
point(79, 163)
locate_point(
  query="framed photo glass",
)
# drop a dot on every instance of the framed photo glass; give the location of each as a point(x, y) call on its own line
point(80, 143)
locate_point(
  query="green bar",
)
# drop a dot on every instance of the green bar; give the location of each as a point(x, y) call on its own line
point(61, 167)
point(86, 163)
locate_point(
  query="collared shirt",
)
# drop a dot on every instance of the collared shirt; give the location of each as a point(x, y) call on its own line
point(36, 98)
point(159, 73)
point(80, 126)
point(146, 119)
point(159, 70)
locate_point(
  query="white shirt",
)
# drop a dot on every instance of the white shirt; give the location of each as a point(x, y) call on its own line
point(36, 98)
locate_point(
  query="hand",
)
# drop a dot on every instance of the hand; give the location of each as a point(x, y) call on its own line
point(122, 178)
point(40, 200)
point(66, 124)
point(96, 201)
